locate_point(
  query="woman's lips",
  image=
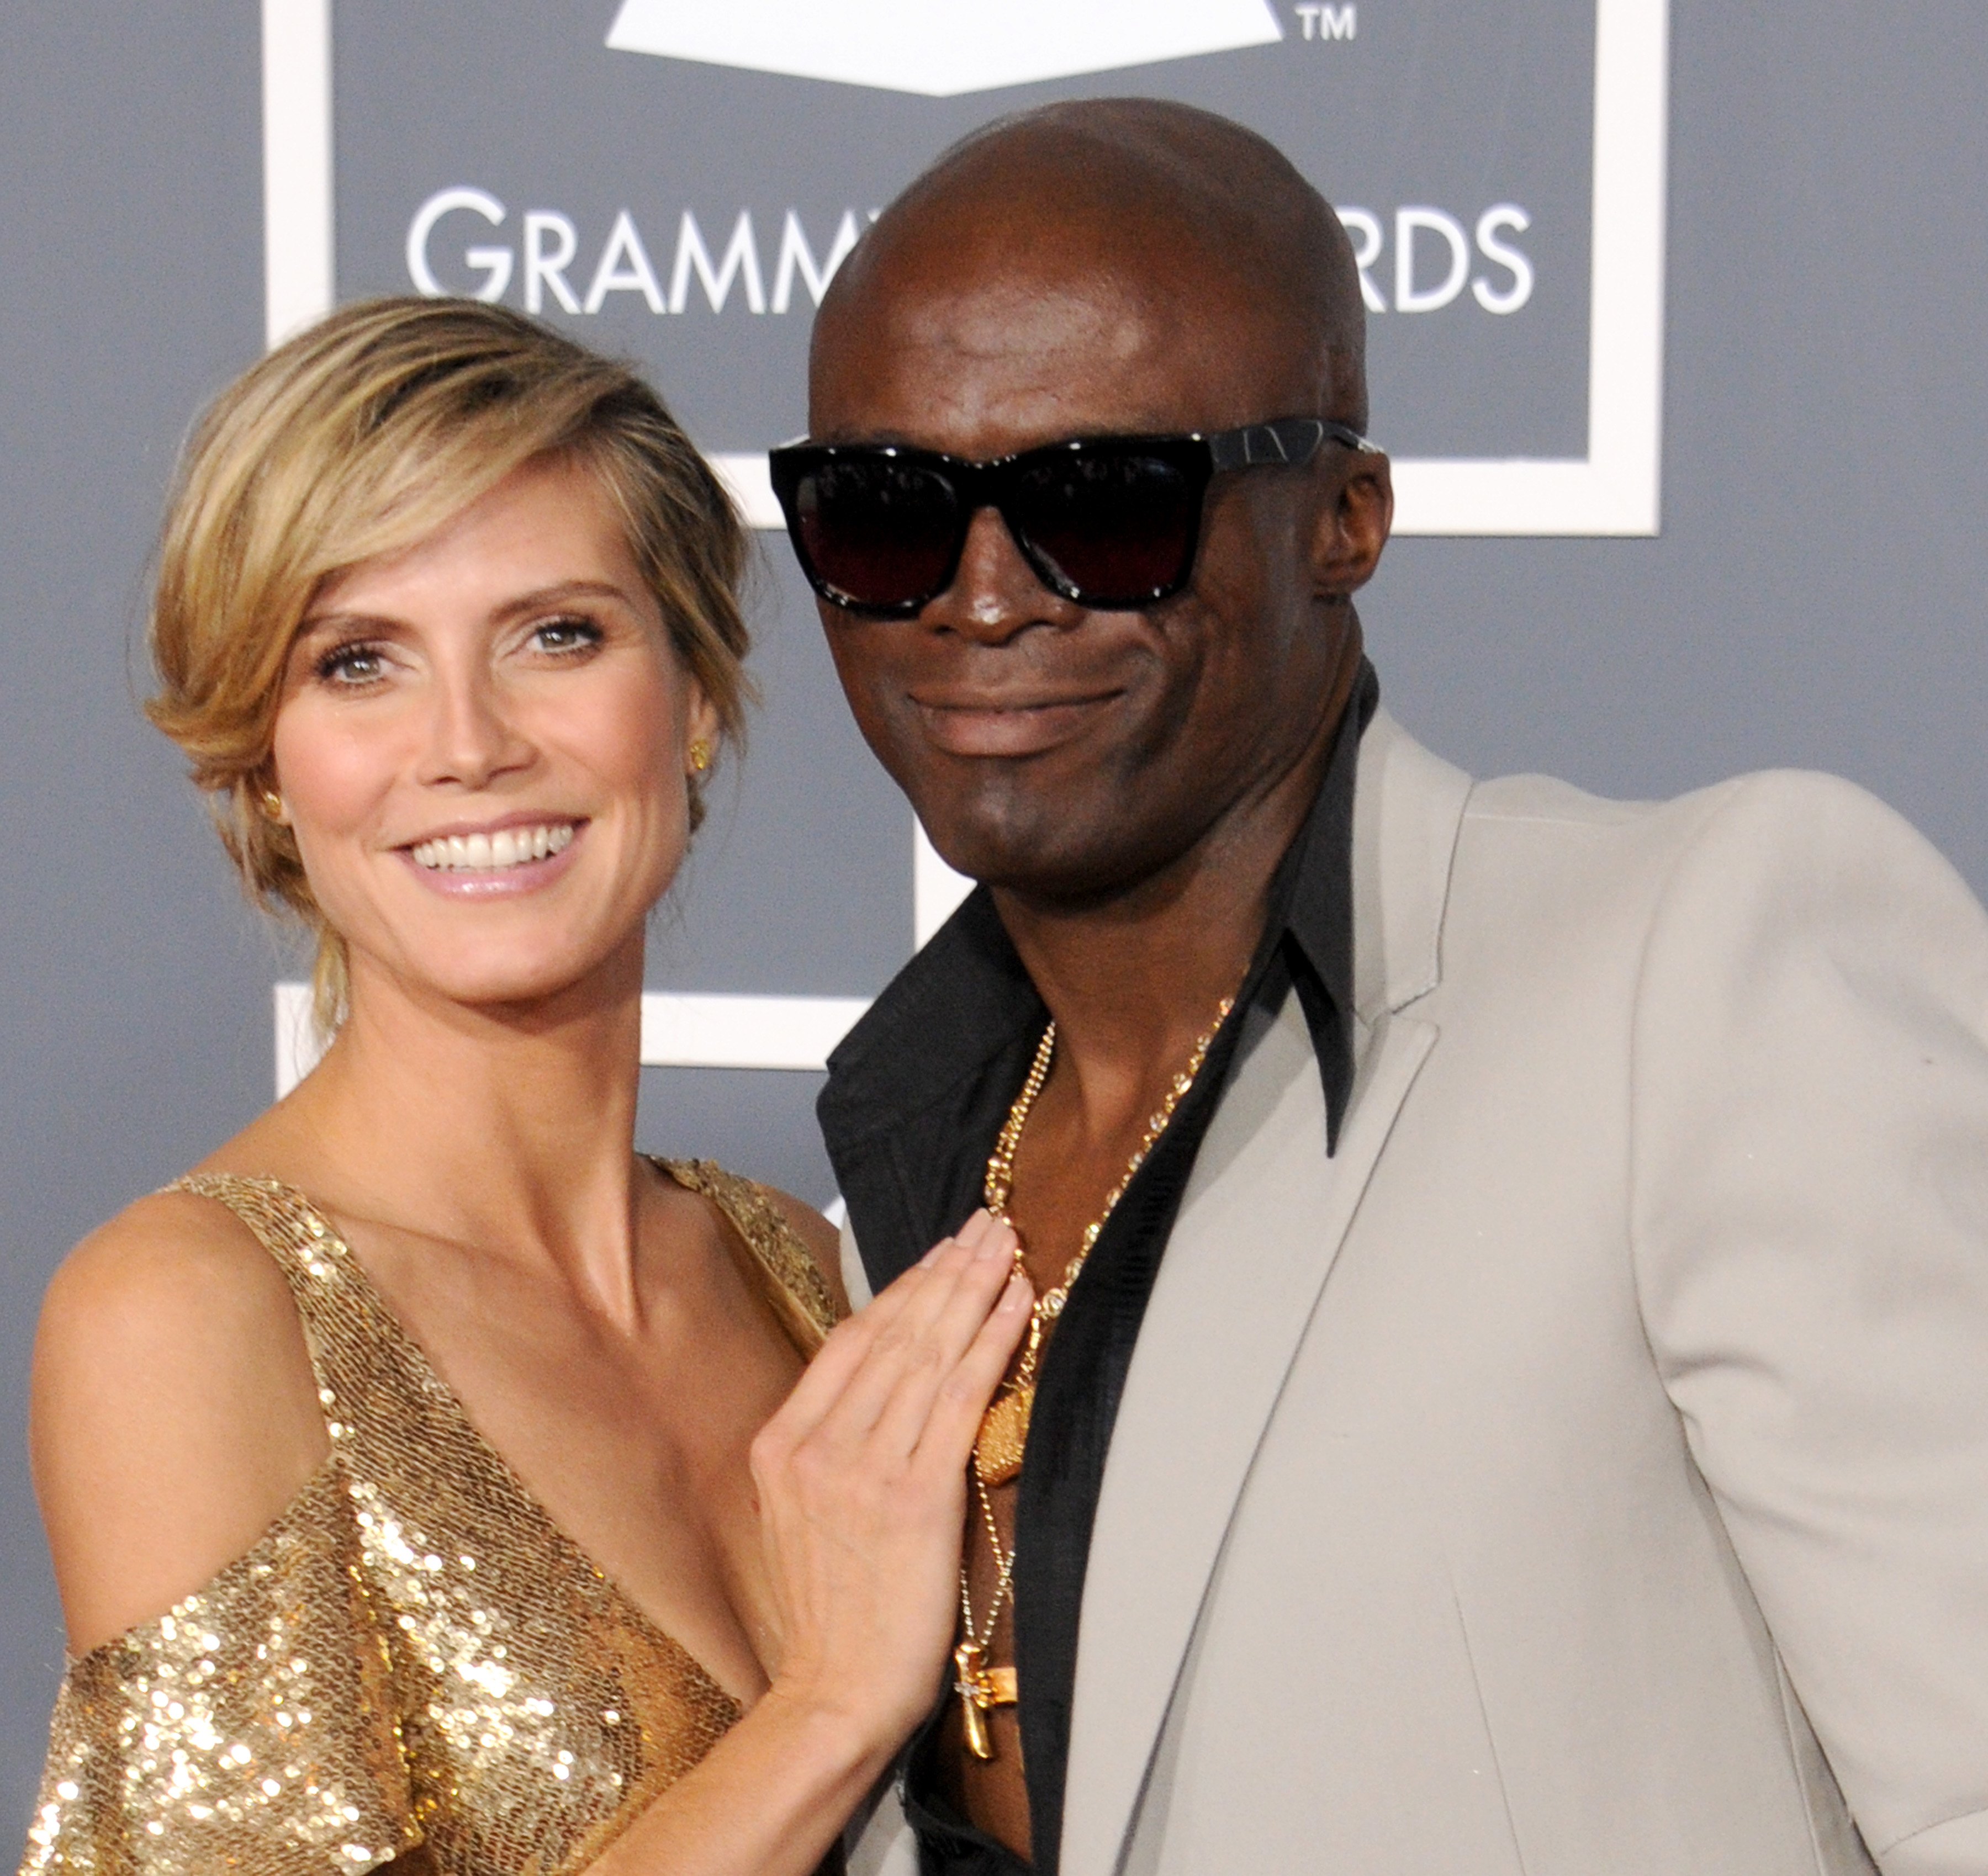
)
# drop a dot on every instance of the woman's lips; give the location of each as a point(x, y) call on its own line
point(493, 849)
point(497, 866)
point(972, 726)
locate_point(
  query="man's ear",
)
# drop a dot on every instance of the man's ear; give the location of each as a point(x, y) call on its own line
point(1353, 524)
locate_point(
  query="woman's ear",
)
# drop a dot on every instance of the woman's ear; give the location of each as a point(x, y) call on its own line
point(701, 727)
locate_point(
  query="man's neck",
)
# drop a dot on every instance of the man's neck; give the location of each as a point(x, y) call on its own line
point(1133, 979)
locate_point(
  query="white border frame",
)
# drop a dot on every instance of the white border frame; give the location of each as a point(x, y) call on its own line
point(299, 229)
point(1615, 490)
point(678, 1031)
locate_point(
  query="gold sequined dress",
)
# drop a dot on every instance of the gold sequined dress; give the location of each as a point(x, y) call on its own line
point(413, 1661)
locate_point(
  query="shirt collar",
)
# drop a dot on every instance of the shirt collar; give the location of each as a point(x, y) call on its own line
point(965, 998)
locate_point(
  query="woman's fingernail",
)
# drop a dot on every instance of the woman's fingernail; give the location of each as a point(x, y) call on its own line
point(938, 1251)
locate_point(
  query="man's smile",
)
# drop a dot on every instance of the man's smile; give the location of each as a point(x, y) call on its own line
point(972, 723)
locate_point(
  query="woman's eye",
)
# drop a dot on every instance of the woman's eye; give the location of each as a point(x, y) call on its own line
point(352, 666)
point(558, 635)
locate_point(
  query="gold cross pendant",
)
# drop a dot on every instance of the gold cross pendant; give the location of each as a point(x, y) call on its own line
point(979, 1689)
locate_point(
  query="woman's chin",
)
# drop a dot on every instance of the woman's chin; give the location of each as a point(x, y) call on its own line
point(510, 985)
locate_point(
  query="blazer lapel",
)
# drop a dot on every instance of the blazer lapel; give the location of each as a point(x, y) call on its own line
point(1261, 1223)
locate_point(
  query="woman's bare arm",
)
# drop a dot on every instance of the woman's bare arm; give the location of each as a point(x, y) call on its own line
point(173, 1412)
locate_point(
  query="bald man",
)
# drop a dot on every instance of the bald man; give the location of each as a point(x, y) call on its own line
point(1510, 1392)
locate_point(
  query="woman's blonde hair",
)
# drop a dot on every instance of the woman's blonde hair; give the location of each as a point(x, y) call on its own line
point(360, 438)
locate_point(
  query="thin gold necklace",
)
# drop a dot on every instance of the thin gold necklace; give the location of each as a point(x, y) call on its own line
point(1004, 1430)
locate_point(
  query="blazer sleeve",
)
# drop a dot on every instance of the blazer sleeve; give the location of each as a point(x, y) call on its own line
point(1809, 1215)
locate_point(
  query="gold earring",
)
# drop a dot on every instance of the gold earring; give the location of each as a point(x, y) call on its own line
point(272, 806)
point(700, 755)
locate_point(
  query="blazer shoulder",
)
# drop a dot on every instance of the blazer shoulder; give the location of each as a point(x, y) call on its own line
point(1806, 800)
point(1776, 854)
point(1766, 822)
point(1546, 800)
point(1793, 850)
point(1806, 809)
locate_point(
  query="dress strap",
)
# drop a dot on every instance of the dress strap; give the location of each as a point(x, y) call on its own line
point(359, 1353)
point(788, 1276)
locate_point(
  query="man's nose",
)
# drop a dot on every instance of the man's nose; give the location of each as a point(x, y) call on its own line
point(472, 733)
point(995, 593)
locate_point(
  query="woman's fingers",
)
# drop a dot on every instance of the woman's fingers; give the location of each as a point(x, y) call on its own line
point(847, 1346)
point(915, 1350)
point(901, 1421)
point(862, 1476)
point(853, 1373)
point(969, 1235)
point(952, 1420)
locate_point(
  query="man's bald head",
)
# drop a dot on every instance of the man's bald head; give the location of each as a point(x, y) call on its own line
point(1117, 268)
point(1171, 199)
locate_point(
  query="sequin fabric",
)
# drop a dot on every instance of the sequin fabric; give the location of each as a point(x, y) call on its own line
point(413, 1661)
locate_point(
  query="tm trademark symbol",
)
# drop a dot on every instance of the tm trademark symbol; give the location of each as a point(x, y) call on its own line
point(1329, 23)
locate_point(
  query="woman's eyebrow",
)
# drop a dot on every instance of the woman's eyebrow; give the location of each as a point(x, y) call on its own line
point(326, 624)
point(543, 597)
point(537, 600)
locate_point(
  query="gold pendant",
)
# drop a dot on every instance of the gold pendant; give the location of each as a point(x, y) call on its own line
point(971, 1713)
point(979, 1689)
point(1003, 1436)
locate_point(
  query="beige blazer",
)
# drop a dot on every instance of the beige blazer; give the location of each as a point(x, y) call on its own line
point(1583, 1473)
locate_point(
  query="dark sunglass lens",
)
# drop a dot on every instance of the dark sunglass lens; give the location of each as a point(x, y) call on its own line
point(1120, 527)
point(879, 533)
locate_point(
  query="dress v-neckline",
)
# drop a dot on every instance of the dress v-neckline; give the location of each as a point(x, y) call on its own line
point(428, 1378)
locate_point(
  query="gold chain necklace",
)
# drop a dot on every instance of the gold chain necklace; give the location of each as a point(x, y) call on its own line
point(980, 1688)
point(1004, 1429)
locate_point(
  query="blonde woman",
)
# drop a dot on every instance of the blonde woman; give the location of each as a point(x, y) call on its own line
point(433, 1481)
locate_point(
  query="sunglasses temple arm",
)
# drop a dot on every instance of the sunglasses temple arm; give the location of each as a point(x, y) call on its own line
point(1290, 440)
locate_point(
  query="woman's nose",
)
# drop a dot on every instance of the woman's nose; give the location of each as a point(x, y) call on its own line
point(472, 735)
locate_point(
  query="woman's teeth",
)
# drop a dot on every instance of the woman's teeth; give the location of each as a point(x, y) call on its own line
point(488, 853)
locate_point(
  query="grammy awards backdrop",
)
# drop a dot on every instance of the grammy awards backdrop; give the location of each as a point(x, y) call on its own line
point(1674, 338)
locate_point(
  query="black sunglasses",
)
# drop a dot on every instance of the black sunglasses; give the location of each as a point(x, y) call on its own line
point(1109, 522)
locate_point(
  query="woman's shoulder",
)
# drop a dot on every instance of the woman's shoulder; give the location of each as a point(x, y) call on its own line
point(173, 1256)
point(175, 1289)
point(174, 1411)
point(771, 1220)
point(822, 1240)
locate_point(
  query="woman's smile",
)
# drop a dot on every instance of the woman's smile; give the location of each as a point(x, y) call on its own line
point(519, 858)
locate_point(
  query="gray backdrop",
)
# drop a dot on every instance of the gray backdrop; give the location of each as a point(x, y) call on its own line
point(1815, 597)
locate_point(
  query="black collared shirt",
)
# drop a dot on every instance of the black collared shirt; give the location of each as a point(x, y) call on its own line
point(916, 1095)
